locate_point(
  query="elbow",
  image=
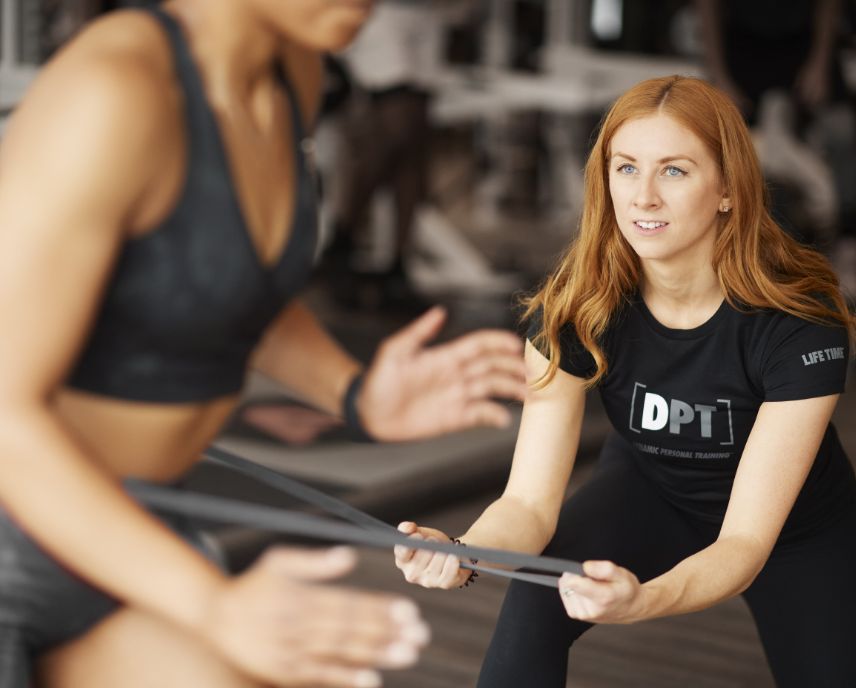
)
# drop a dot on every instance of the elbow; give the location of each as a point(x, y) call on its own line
point(750, 557)
point(543, 523)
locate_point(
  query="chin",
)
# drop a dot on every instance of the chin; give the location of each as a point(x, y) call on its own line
point(340, 31)
point(334, 30)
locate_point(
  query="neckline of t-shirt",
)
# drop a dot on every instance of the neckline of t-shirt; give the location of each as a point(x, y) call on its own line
point(672, 333)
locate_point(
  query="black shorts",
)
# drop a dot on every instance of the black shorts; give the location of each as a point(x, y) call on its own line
point(43, 605)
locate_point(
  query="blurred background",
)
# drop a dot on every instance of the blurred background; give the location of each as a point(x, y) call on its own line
point(449, 158)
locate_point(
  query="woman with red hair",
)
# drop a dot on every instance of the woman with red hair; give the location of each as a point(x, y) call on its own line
point(719, 346)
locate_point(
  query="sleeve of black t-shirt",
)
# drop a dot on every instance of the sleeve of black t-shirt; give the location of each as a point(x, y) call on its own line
point(804, 360)
point(574, 357)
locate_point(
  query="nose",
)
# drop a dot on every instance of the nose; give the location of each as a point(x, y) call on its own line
point(646, 195)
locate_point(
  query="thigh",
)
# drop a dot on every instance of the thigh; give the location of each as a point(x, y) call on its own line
point(134, 649)
point(804, 603)
point(43, 605)
point(619, 515)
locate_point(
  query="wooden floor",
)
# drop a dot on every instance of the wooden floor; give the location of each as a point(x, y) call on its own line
point(716, 648)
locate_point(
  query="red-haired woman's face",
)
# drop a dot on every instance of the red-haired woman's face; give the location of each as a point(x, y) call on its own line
point(666, 190)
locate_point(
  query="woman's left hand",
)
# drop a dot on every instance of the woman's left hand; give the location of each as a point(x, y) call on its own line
point(606, 594)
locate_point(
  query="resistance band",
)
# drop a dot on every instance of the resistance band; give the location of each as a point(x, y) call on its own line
point(366, 529)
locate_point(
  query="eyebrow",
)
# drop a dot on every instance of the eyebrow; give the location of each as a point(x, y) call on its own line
point(669, 158)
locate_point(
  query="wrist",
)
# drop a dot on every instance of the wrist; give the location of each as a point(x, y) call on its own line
point(351, 411)
point(467, 576)
point(198, 609)
point(651, 602)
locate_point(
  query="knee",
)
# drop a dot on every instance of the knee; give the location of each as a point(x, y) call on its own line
point(535, 614)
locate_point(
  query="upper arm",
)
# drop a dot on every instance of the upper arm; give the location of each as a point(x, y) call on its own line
point(73, 164)
point(802, 367)
point(548, 439)
point(778, 455)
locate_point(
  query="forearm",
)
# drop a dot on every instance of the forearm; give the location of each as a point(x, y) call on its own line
point(716, 573)
point(509, 524)
point(299, 353)
point(83, 518)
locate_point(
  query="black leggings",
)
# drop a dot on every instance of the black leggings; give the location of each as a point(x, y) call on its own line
point(803, 601)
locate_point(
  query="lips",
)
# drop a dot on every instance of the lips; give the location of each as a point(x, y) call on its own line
point(649, 225)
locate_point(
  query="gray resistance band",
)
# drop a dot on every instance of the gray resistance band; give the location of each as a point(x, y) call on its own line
point(367, 530)
point(337, 507)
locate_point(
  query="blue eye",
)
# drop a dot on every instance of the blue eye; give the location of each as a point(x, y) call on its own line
point(672, 171)
point(626, 168)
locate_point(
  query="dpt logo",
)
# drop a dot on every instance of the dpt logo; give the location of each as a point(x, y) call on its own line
point(650, 411)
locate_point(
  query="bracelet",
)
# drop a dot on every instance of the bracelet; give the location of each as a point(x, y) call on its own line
point(473, 574)
point(350, 412)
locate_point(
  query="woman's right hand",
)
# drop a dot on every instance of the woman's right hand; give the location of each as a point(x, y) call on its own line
point(428, 569)
point(279, 625)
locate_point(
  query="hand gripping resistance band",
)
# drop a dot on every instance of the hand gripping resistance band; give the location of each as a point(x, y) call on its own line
point(366, 529)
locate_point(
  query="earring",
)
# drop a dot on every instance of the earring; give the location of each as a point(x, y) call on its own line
point(725, 209)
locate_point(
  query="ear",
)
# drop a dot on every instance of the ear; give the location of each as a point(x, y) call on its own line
point(725, 203)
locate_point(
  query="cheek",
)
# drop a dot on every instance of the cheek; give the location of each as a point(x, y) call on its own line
point(617, 195)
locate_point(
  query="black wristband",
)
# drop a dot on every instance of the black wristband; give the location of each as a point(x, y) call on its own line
point(350, 412)
point(473, 574)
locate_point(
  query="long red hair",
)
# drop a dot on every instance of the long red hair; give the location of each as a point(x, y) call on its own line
point(758, 264)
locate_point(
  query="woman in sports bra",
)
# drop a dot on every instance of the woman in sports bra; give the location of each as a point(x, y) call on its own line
point(157, 219)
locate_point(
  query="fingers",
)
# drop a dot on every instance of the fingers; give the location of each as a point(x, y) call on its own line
point(404, 554)
point(511, 366)
point(585, 587)
point(491, 364)
point(484, 413)
point(390, 640)
point(483, 343)
point(600, 570)
point(604, 594)
point(423, 567)
point(271, 623)
point(432, 570)
point(418, 333)
point(496, 385)
point(307, 564)
point(326, 675)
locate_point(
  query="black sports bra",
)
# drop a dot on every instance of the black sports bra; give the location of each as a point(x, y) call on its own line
point(189, 300)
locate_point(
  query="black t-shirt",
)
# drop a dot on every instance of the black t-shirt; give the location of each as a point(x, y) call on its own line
point(686, 400)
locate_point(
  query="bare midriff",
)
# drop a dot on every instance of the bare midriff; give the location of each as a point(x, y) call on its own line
point(151, 441)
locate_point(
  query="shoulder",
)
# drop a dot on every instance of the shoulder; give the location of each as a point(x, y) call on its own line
point(91, 130)
point(118, 65)
point(98, 110)
point(798, 357)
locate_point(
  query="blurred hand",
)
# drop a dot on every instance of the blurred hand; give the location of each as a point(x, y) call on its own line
point(428, 569)
point(279, 625)
point(606, 594)
point(289, 423)
point(412, 391)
